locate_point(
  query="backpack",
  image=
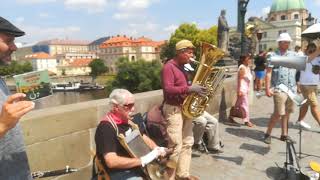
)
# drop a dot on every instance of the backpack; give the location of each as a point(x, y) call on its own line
point(156, 126)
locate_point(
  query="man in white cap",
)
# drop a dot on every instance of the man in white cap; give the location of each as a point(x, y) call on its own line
point(283, 105)
point(13, 158)
point(175, 89)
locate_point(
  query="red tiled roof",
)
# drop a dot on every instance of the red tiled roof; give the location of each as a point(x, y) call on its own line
point(39, 55)
point(124, 41)
point(80, 62)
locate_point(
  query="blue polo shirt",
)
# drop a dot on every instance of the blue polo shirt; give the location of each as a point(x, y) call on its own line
point(283, 75)
point(13, 158)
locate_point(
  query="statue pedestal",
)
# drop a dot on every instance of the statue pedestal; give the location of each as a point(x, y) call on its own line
point(227, 61)
point(229, 64)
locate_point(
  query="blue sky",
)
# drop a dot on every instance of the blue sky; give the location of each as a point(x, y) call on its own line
point(91, 19)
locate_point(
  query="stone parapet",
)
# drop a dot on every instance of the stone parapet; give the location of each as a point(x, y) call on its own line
point(64, 135)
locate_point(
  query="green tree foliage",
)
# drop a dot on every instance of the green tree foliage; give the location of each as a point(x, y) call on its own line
point(15, 68)
point(97, 68)
point(27, 66)
point(192, 33)
point(138, 76)
point(207, 35)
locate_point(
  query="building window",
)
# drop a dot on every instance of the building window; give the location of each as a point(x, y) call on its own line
point(265, 46)
point(296, 16)
point(132, 58)
point(283, 17)
point(265, 35)
point(282, 31)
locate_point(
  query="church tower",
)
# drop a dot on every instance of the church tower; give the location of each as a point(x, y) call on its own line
point(288, 10)
point(284, 16)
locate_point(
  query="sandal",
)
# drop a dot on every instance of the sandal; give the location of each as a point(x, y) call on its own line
point(249, 124)
point(232, 122)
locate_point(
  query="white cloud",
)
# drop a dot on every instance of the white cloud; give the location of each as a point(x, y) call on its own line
point(37, 33)
point(122, 16)
point(132, 9)
point(265, 11)
point(134, 4)
point(92, 6)
point(317, 2)
point(170, 28)
point(34, 1)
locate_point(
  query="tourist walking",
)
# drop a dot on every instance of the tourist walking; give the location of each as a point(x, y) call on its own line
point(243, 88)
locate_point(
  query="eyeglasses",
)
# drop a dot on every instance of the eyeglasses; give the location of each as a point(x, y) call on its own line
point(128, 106)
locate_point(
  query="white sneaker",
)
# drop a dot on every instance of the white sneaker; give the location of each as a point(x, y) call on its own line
point(259, 94)
point(303, 124)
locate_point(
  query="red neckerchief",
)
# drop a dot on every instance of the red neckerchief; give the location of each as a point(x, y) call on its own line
point(115, 118)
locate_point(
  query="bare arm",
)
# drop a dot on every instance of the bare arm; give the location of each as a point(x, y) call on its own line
point(313, 55)
point(317, 52)
point(114, 161)
point(149, 142)
point(241, 74)
point(12, 110)
point(267, 81)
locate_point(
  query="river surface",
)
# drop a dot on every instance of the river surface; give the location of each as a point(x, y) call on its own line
point(63, 98)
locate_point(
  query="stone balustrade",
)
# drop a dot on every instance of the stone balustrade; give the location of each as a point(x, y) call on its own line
point(64, 135)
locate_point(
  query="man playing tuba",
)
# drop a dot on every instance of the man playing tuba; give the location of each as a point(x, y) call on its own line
point(175, 89)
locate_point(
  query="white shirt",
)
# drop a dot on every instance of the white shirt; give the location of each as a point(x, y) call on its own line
point(307, 77)
point(299, 53)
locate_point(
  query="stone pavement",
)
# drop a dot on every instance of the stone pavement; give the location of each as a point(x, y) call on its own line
point(247, 157)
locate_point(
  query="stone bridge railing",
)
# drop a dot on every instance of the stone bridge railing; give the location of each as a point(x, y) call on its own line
point(64, 135)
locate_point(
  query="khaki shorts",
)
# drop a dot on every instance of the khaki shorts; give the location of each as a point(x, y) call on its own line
point(310, 93)
point(282, 103)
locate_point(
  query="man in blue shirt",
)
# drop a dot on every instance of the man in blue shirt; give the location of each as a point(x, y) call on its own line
point(283, 105)
point(13, 158)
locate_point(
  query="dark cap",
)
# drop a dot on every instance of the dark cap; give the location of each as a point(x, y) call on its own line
point(8, 28)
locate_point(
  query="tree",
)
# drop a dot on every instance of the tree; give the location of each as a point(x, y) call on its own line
point(15, 68)
point(192, 33)
point(97, 68)
point(185, 31)
point(138, 76)
point(27, 67)
point(207, 35)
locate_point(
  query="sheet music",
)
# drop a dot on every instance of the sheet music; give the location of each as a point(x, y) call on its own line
point(297, 99)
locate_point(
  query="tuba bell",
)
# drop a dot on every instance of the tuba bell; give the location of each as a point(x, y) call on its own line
point(208, 76)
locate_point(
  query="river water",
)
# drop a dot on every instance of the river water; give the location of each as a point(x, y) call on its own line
point(63, 98)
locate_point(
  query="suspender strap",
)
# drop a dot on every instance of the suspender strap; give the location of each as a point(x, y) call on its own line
point(113, 124)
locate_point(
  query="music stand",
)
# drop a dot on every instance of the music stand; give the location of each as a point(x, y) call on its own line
point(291, 165)
point(292, 160)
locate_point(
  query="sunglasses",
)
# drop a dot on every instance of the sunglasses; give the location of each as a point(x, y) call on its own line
point(128, 106)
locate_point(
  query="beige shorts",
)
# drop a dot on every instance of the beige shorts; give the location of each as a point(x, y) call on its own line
point(310, 93)
point(282, 103)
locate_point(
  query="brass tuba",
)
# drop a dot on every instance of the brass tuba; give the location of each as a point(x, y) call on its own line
point(208, 76)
